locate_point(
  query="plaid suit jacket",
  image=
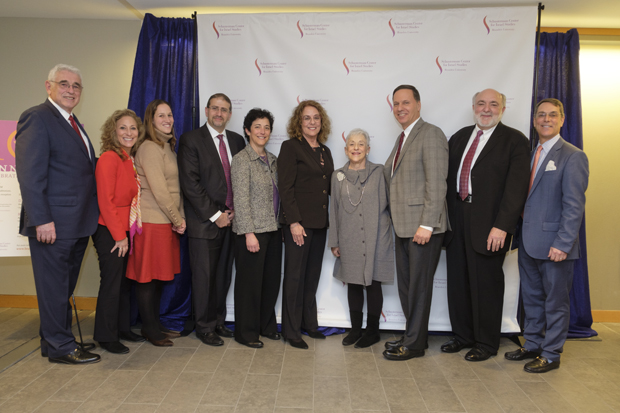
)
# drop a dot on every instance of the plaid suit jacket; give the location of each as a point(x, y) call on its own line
point(418, 186)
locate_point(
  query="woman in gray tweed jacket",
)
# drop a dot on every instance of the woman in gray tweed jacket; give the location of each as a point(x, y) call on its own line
point(258, 245)
point(360, 236)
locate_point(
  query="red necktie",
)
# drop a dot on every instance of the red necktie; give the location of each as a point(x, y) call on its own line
point(77, 130)
point(464, 178)
point(533, 172)
point(226, 165)
point(400, 145)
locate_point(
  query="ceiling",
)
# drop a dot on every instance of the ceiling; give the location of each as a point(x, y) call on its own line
point(557, 13)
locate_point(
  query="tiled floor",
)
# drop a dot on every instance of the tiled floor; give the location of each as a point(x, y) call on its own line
point(192, 377)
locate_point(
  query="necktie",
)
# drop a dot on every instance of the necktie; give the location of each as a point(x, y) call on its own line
point(464, 178)
point(226, 165)
point(533, 172)
point(77, 130)
point(400, 145)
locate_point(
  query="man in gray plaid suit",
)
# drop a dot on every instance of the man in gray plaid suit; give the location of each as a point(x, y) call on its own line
point(416, 173)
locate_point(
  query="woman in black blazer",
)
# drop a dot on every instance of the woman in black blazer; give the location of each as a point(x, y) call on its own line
point(305, 166)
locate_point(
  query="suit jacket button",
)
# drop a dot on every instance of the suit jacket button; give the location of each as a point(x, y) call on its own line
point(325, 191)
point(324, 206)
point(324, 177)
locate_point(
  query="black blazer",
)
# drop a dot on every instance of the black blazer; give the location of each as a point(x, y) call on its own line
point(304, 184)
point(55, 174)
point(499, 181)
point(202, 179)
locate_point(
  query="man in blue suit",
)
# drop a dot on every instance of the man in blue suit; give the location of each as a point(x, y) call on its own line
point(55, 163)
point(550, 239)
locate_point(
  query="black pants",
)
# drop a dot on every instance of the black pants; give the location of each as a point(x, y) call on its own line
point(113, 311)
point(211, 263)
point(475, 287)
point(302, 270)
point(415, 271)
point(374, 294)
point(257, 285)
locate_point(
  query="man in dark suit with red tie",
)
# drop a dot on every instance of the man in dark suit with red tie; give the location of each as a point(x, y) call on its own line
point(488, 174)
point(55, 164)
point(204, 159)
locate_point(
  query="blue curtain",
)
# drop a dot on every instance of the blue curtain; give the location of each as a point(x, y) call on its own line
point(558, 77)
point(163, 69)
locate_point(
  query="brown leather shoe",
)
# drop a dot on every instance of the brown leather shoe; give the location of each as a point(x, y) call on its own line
point(165, 342)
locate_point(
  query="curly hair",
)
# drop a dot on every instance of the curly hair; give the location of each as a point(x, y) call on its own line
point(109, 140)
point(294, 124)
point(149, 117)
point(254, 114)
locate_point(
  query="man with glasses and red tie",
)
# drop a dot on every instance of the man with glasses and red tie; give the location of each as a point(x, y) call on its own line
point(549, 239)
point(487, 185)
point(55, 163)
point(204, 159)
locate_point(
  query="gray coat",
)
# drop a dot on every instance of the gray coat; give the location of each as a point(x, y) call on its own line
point(363, 232)
point(253, 192)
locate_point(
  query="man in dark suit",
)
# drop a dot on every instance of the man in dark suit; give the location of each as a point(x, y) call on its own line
point(487, 185)
point(204, 161)
point(55, 164)
point(549, 241)
point(416, 173)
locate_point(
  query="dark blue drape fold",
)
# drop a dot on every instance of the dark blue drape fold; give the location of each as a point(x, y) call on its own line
point(558, 77)
point(163, 69)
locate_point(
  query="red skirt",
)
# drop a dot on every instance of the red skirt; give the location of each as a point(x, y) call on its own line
point(156, 254)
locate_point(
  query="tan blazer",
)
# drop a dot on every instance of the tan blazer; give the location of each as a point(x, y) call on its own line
point(418, 186)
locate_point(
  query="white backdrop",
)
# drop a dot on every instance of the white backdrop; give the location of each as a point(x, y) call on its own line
point(350, 63)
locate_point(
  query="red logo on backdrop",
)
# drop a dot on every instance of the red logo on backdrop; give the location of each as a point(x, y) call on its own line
point(343, 138)
point(439, 65)
point(216, 32)
point(389, 103)
point(7, 145)
point(260, 72)
point(298, 102)
point(486, 25)
point(392, 27)
point(344, 62)
point(299, 28)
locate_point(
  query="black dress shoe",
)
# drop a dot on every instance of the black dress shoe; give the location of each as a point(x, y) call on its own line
point(521, 354)
point(402, 353)
point(316, 334)
point(114, 347)
point(272, 336)
point(224, 331)
point(77, 356)
point(164, 342)
point(252, 344)
point(541, 365)
point(300, 343)
point(131, 336)
point(454, 345)
point(478, 353)
point(394, 344)
point(210, 338)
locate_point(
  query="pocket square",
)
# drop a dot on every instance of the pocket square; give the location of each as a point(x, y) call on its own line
point(550, 166)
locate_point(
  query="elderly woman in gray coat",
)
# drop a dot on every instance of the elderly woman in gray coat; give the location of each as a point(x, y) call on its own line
point(360, 236)
point(258, 245)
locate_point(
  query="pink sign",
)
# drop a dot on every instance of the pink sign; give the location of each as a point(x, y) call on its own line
point(7, 145)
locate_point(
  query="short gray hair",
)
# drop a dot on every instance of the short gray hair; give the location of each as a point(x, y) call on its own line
point(358, 131)
point(60, 67)
point(473, 99)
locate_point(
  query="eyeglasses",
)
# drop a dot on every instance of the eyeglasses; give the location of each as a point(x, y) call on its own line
point(552, 115)
point(64, 85)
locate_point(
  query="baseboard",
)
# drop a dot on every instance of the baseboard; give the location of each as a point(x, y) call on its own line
point(606, 316)
point(90, 303)
point(30, 301)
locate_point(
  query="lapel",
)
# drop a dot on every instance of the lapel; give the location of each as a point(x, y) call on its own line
point(64, 124)
point(460, 144)
point(553, 155)
point(410, 138)
point(310, 152)
point(495, 138)
point(212, 151)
